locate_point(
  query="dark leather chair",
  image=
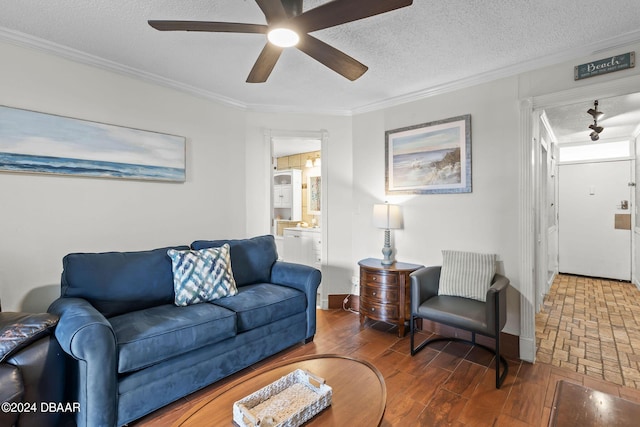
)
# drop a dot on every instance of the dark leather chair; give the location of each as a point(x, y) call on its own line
point(31, 370)
point(484, 318)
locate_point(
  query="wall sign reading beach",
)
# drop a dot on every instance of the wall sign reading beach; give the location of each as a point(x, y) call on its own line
point(429, 158)
point(36, 142)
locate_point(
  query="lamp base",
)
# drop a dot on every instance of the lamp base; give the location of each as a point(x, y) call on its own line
point(386, 250)
point(387, 261)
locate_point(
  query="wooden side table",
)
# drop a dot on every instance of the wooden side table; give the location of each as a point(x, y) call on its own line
point(385, 292)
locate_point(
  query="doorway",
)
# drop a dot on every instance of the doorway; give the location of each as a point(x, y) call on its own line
point(623, 89)
point(595, 219)
point(595, 198)
point(298, 188)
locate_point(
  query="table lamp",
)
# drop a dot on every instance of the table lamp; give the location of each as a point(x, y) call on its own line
point(388, 217)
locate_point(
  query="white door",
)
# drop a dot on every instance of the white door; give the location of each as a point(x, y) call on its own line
point(591, 196)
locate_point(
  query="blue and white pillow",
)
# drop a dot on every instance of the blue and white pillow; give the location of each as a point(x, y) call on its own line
point(203, 275)
point(466, 274)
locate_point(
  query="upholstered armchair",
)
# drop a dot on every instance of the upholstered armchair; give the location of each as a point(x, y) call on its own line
point(31, 370)
point(464, 298)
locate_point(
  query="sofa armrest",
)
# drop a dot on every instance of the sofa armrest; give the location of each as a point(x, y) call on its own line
point(87, 336)
point(303, 278)
point(424, 285)
point(18, 330)
point(497, 294)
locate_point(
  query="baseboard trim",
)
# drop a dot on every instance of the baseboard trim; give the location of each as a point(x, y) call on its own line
point(338, 301)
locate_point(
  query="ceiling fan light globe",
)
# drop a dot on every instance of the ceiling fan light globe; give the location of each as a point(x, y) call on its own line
point(283, 37)
point(594, 136)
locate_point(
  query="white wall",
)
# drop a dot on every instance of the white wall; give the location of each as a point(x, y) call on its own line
point(484, 220)
point(44, 217)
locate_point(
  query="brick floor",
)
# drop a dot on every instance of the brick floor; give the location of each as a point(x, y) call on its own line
point(591, 326)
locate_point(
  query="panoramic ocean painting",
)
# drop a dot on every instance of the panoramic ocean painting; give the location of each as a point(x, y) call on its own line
point(36, 142)
point(430, 158)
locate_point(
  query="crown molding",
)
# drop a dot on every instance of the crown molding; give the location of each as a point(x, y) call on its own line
point(25, 40)
point(600, 47)
point(522, 67)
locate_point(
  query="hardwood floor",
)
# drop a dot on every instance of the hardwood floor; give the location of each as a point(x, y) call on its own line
point(449, 385)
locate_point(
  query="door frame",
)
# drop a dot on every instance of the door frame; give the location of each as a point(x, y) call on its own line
point(528, 210)
point(323, 136)
point(547, 232)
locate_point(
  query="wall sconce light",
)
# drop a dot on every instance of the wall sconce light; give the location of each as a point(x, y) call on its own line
point(308, 163)
point(595, 134)
point(317, 162)
point(387, 217)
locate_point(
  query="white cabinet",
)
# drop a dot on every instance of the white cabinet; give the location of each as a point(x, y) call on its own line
point(282, 196)
point(287, 195)
point(303, 246)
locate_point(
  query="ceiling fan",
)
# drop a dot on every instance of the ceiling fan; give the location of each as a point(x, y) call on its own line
point(286, 19)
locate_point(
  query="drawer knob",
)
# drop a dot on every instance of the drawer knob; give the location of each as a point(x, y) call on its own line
point(373, 309)
point(374, 293)
point(374, 278)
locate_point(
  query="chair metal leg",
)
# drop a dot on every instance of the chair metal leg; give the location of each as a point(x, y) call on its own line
point(412, 320)
point(422, 345)
point(499, 378)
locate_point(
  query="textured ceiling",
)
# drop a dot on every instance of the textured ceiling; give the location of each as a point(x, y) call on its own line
point(621, 119)
point(410, 51)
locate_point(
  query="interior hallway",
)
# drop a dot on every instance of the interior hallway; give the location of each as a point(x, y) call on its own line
point(591, 326)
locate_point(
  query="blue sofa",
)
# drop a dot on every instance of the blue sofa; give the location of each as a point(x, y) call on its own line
point(133, 350)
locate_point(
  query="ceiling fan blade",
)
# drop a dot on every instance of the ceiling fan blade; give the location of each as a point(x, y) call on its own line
point(331, 57)
point(264, 64)
point(222, 27)
point(339, 12)
point(273, 10)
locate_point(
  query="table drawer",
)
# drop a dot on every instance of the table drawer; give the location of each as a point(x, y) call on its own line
point(380, 293)
point(378, 311)
point(381, 278)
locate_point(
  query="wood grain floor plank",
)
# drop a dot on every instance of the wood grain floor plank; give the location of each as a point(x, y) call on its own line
point(422, 390)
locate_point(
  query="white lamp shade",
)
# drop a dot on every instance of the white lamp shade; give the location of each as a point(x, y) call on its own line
point(387, 216)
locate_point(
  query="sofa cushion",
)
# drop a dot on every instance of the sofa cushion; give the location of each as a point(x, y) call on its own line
point(262, 303)
point(466, 274)
point(202, 276)
point(146, 337)
point(251, 259)
point(119, 282)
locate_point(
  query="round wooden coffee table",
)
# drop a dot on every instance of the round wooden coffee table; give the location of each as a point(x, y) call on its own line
point(359, 393)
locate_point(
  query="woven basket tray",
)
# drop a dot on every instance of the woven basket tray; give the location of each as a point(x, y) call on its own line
point(288, 402)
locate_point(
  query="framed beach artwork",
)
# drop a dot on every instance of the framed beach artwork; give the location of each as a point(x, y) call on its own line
point(429, 158)
point(34, 142)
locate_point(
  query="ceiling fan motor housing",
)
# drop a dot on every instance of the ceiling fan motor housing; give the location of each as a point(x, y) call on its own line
point(292, 7)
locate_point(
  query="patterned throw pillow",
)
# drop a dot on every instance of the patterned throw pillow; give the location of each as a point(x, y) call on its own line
point(466, 274)
point(201, 276)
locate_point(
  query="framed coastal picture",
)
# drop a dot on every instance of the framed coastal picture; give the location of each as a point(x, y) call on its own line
point(35, 142)
point(429, 158)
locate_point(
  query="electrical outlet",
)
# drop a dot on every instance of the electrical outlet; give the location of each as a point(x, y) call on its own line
point(355, 289)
